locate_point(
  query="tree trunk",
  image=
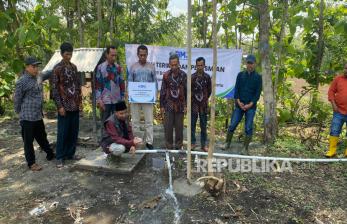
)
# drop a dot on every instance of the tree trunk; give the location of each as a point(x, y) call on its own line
point(69, 14)
point(226, 39)
point(80, 24)
point(319, 57)
point(252, 45)
point(99, 23)
point(11, 6)
point(236, 45)
point(189, 87)
point(240, 26)
point(204, 17)
point(112, 21)
point(280, 48)
point(134, 27)
point(320, 44)
point(226, 31)
point(213, 95)
point(130, 21)
point(115, 20)
point(270, 119)
point(2, 7)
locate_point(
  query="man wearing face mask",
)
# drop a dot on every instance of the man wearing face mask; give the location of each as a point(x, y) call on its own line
point(173, 102)
point(28, 100)
point(118, 133)
point(247, 92)
point(143, 71)
point(201, 91)
point(109, 84)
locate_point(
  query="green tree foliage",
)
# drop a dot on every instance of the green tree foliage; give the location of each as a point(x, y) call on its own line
point(23, 32)
point(27, 29)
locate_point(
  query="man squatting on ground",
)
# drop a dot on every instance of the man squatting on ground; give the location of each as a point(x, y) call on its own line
point(118, 132)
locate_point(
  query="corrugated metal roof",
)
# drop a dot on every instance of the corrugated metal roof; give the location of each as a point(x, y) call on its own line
point(85, 59)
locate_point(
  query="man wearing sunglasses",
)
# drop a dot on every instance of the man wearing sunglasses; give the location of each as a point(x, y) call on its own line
point(28, 100)
point(247, 92)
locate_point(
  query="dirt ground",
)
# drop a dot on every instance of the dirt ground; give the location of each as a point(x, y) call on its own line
point(312, 193)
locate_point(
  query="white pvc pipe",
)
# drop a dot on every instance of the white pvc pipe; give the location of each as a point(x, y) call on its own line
point(226, 155)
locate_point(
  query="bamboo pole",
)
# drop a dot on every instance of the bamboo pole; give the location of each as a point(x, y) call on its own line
point(99, 12)
point(189, 94)
point(213, 96)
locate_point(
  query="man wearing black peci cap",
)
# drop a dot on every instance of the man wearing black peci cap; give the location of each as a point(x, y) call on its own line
point(118, 131)
point(28, 100)
point(247, 92)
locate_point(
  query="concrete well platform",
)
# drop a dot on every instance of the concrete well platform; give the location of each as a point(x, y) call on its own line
point(99, 162)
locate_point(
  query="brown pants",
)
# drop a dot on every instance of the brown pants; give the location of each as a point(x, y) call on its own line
point(173, 120)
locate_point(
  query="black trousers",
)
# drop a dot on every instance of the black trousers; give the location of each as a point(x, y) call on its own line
point(67, 135)
point(34, 130)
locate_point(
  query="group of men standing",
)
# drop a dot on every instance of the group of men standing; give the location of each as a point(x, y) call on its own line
point(116, 129)
point(173, 101)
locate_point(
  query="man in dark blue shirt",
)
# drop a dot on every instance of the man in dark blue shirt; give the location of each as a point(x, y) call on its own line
point(247, 92)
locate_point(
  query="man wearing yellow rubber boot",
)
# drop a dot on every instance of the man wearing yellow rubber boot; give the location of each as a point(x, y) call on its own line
point(338, 98)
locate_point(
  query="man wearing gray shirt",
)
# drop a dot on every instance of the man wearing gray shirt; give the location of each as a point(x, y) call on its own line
point(143, 71)
point(28, 100)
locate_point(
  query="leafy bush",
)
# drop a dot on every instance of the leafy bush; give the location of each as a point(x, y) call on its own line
point(87, 106)
point(49, 106)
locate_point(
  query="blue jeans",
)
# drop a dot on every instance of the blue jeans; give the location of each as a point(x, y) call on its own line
point(68, 127)
point(337, 123)
point(236, 118)
point(203, 127)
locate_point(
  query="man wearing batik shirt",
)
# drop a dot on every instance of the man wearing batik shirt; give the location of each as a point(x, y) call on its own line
point(173, 104)
point(66, 91)
point(110, 87)
point(143, 71)
point(201, 91)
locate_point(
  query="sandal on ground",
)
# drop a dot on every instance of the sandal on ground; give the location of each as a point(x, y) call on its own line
point(204, 149)
point(35, 167)
point(60, 163)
